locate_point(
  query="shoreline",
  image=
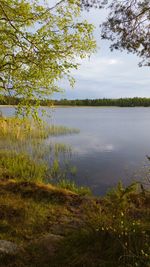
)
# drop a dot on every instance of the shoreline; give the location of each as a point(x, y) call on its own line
point(72, 106)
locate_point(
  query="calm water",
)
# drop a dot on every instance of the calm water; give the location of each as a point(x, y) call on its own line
point(112, 144)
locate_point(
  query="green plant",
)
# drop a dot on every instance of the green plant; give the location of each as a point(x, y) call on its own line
point(119, 197)
point(28, 155)
point(71, 185)
point(123, 222)
point(44, 55)
point(21, 167)
point(22, 129)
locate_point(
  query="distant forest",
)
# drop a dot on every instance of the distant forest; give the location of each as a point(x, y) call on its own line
point(120, 102)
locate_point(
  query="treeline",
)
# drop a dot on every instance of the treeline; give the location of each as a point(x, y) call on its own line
point(120, 102)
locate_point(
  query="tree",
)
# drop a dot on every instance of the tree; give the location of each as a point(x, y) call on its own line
point(40, 44)
point(127, 25)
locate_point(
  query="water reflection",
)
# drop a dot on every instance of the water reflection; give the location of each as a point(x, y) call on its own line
point(112, 144)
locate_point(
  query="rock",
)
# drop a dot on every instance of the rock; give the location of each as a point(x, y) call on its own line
point(48, 243)
point(8, 247)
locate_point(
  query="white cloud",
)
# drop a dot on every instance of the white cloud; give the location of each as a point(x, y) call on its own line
point(96, 67)
point(108, 74)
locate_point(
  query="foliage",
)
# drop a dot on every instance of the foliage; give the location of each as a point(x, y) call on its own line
point(119, 196)
point(87, 4)
point(94, 231)
point(120, 102)
point(109, 231)
point(126, 26)
point(40, 45)
point(114, 235)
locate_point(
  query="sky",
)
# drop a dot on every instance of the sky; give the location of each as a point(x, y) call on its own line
point(107, 74)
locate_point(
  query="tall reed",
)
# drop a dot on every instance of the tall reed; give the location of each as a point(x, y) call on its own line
point(25, 153)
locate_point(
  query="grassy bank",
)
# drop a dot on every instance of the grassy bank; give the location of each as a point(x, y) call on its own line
point(109, 231)
point(63, 225)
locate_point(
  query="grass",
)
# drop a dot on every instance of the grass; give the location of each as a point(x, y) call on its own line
point(94, 231)
point(20, 167)
point(21, 129)
point(113, 231)
point(114, 235)
point(71, 185)
point(29, 210)
point(54, 130)
point(62, 148)
point(27, 155)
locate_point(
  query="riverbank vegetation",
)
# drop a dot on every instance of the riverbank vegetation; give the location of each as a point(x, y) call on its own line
point(45, 219)
point(51, 221)
point(119, 102)
point(56, 227)
point(28, 153)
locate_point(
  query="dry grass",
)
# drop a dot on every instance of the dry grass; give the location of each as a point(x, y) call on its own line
point(95, 234)
point(21, 129)
point(28, 210)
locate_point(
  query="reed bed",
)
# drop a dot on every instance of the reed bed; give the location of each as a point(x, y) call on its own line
point(21, 129)
point(27, 155)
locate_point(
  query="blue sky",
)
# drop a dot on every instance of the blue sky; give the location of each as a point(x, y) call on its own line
point(108, 74)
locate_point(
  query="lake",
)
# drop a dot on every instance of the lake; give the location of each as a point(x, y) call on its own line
point(112, 144)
